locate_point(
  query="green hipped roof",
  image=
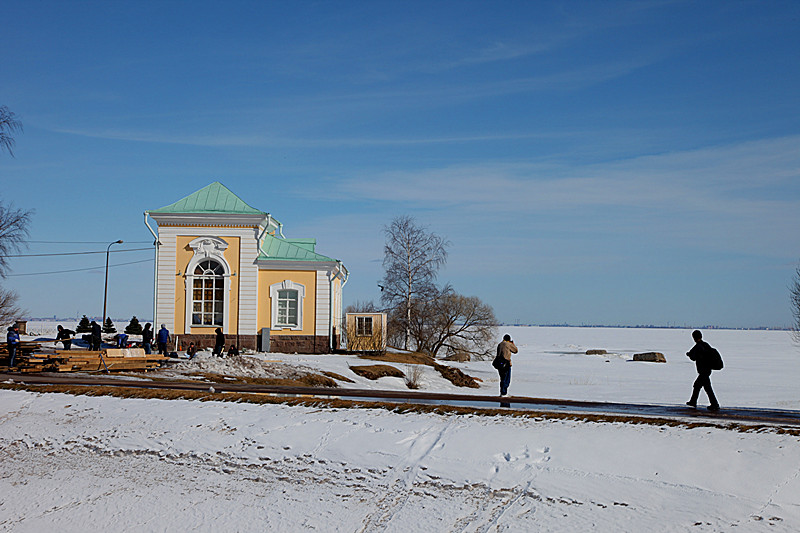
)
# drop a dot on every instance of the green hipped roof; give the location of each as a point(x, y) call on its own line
point(290, 249)
point(214, 198)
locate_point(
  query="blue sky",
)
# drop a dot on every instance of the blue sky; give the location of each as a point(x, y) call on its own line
point(591, 162)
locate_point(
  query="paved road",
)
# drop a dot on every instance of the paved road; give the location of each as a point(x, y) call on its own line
point(748, 415)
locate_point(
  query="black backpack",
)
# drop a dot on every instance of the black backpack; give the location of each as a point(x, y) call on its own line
point(715, 359)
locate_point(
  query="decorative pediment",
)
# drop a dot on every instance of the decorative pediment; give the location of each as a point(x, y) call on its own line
point(208, 247)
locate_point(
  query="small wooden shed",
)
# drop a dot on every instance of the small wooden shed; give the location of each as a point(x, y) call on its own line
point(366, 332)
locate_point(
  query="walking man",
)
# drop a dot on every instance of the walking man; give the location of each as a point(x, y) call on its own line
point(162, 339)
point(13, 344)
point(703, 356)
point(504, 351)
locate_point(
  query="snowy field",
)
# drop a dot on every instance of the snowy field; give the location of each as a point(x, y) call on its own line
point(89, 464)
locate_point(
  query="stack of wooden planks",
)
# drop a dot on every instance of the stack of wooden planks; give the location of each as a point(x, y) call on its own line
point(108, 360)
point(26, 348)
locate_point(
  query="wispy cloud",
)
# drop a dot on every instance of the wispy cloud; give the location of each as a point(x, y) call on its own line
point(703, 174)
point(222, 140)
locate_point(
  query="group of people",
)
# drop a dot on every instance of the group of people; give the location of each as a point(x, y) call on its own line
point(701, 353)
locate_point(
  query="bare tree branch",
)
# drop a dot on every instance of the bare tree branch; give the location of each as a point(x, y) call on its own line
point(8, 125)
point(13, 231)
point(9, 310)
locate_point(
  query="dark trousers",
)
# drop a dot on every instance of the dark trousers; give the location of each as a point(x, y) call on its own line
point(703, 381)
point(162, 348)
point(147, 348)
point(218, 350)
point(96, 344)
point(67, 344)
point(12, 354)
point(505, 379)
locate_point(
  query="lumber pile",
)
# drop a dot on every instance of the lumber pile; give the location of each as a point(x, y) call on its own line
point(108, 360)
point(26, 348)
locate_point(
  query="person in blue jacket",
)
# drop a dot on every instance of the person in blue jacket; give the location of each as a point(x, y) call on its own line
point(162, 339)
point(13, 344)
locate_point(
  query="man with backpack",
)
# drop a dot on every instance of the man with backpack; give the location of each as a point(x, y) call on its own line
point(706, 359)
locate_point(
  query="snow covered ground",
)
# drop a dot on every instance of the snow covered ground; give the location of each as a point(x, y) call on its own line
point(81, 463)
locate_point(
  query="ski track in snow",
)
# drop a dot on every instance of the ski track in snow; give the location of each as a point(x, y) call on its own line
point(81, 463)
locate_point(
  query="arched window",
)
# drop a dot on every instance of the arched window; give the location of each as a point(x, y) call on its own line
point(208, 294)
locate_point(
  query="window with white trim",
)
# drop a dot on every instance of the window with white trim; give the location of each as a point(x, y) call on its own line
point(208, 294)
point(287, 308)
point(364, 326)
point(287, 305)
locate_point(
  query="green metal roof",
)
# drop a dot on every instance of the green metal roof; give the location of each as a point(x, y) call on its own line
point(290, 249)
point(214, 198)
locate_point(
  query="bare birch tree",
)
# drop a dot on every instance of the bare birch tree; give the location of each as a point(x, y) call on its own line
point(8, 125)
point(412, 258)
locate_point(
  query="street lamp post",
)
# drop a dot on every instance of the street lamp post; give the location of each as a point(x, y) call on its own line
point(105, 290)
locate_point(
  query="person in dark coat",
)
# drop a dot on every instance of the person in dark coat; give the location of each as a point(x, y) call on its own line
point(162, 339)
point(504, 350)
point(219, 343)
point(12, 337)
point(96, 336)
point(232, 351)
point(65, 336)
point(147, 339)
point(191, 351)
point(701, 353)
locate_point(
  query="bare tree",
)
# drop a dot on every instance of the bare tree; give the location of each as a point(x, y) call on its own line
point(9, 310)
point(794, 297)
point(367, 306)
point(412, 258)
point(13, 231)
point(454, 323)
point(8, 125)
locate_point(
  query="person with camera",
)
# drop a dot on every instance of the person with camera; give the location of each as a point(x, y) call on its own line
point(503, 362)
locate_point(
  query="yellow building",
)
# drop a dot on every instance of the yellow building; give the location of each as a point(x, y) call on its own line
point(223, 264)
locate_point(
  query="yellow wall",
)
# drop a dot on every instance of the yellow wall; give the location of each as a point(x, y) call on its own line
point(184, 255)
point(306, 278)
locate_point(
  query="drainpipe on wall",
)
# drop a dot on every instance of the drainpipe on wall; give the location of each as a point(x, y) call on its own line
point(156, 245)
point(266, 227)
point(338, 274)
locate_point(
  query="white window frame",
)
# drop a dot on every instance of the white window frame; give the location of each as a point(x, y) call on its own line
point(361, 330)
point(207, 248)
point(273, 295)
point(217, 283)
